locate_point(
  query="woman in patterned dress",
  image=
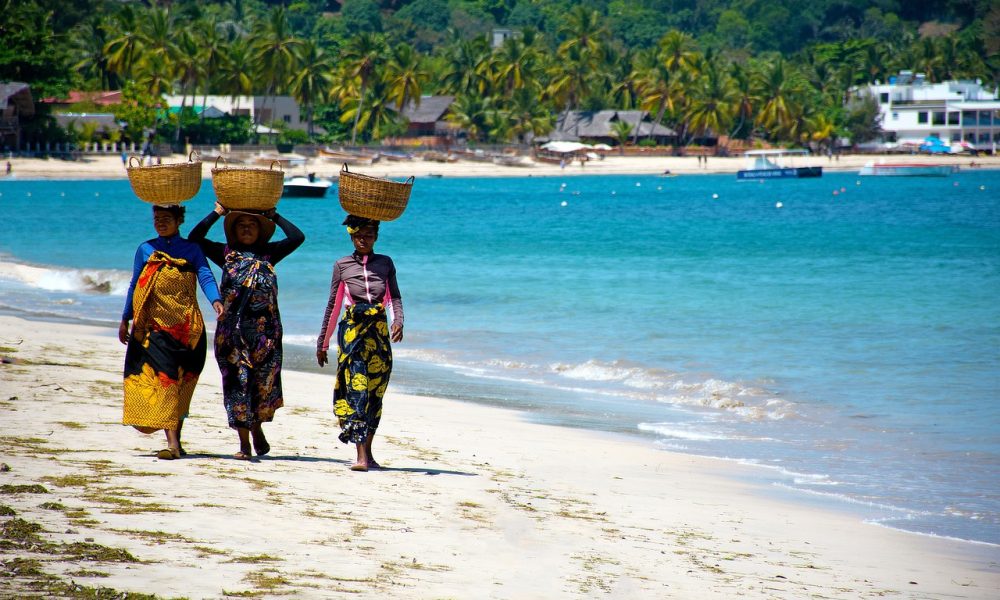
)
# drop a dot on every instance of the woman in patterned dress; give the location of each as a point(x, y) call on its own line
point(166, 346)
point(366, 283)
point(248, 336)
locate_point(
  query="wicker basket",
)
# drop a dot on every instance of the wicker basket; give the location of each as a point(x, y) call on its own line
point(244, 188)
point(165, 184)
point(373, 197)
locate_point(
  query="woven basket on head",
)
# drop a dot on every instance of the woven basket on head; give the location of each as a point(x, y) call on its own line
point(245, 188)
point(373, 197)
point(165, 184)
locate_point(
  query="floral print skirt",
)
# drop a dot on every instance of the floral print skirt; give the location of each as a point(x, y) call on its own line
point(364, 363)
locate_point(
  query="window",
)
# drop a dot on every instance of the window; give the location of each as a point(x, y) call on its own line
point(922, 117)
point(953, 118)
point(883, 97)
point(938, 117)
point(895, 116)
point(286, 118)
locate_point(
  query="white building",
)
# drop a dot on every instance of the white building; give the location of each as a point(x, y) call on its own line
point(261, 109)
point(913, 109)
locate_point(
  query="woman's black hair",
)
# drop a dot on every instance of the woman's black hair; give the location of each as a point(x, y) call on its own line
point(175, 209)
point(356, 222)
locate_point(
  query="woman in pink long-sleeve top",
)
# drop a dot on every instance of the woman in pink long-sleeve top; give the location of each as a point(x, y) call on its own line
point(365, 284)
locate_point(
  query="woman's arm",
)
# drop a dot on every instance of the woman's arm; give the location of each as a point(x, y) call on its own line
point(293, 239)
point(138, 262)
point(214, 251)
point(396, 302)
point(330, 316)
point(206, 279)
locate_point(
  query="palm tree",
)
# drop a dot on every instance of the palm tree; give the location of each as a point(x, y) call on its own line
point(312, 84)
point(742, 80)
point(237, 73)
point(471, 113)
point(465, 60)
point(90, 38)
point(378, 116)
point(363, 55)
point(583, 29)
point(122, 49)
point(678, 51)
point(274, 50)
point(713, 103)
point(621, 131)
point(525, 114)
point(778, 90)
point(515, 64)
point(405, 76)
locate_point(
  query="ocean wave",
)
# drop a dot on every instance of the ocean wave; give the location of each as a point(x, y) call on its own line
point(678, 431)
point(112, 282)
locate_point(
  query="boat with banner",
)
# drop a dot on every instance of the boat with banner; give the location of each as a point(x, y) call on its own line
point(907, 170)
point(770, 164)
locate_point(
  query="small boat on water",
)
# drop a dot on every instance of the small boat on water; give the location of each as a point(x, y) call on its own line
point(907, 170)
point(305, 186)
point(768, 164)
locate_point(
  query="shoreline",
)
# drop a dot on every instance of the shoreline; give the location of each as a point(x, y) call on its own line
point(110, 166)
point(511, 509)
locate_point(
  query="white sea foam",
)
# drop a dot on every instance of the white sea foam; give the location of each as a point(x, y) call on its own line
point(57, 279)
point(681, 432)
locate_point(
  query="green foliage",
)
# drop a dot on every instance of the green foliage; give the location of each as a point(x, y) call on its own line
point(31, 51)
point(137, 111)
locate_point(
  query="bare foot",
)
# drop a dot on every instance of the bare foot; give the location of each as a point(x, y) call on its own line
point(359, 467)
point(168, 454)
point(260, 445)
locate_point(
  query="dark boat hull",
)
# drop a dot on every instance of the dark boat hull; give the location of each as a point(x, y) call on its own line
point(785, 173)
point(303, 191)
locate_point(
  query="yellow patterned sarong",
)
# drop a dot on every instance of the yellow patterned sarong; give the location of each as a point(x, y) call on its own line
point(166, 349)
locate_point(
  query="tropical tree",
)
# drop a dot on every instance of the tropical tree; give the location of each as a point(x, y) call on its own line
point(90, 38)
point(463, 73)
point(121, 50)
point(275, 49)
point(405, 76)
point(525, 114)
point(778, 89)
point(362, 56)
point(312, 83)
point(471, 113)
point(375, 114)
point(621, 130)
point(713, 104)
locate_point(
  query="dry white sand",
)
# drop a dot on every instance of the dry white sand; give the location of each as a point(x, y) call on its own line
point(476, 502)
point(110, 166)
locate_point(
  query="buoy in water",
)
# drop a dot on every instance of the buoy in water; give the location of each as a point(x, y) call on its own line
point(778, 205)
point(563, 203)
point(715, 196)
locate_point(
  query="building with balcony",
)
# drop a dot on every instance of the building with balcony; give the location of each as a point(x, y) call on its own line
point(913, 109)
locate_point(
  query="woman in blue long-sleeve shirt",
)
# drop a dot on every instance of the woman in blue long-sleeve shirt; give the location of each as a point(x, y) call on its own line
point(166, 345)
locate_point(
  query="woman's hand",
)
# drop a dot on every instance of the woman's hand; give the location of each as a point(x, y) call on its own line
point(321, 357)
point(123, 332)
point(397, 332)
point(220, 209)
point(219, 309)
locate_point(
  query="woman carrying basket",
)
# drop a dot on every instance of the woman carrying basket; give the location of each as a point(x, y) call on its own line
point(365, 283)
point(248, 335)
point(166, 347)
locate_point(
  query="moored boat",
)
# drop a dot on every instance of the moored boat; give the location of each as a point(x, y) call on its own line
point(907, 170)
point(305, 186)
point(767, 164)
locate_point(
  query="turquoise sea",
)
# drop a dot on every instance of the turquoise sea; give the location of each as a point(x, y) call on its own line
point(846, 343)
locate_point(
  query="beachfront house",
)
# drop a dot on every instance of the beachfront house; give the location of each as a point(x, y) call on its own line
point(913, 109)
point(15, 104)
point(262, 110)
point(598, 127)
point(425, 122)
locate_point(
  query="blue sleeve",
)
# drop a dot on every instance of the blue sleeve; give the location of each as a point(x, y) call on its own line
point(206, 278)
point(141, 256)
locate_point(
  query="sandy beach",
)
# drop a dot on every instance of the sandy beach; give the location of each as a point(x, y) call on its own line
point(475, 502)
point(110, 166)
